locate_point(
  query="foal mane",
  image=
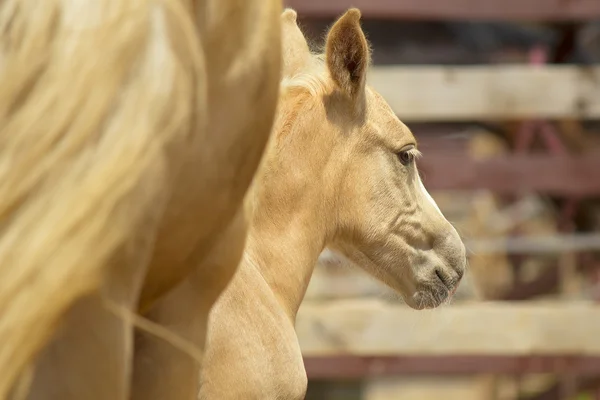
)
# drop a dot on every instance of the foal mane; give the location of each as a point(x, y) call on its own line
point(90, 95)
point(313, 78)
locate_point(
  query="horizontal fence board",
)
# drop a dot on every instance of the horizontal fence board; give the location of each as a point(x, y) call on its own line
point(514, 174)
point(360, 367)
point(540, 10)
point(494, 92)
point(375, 328)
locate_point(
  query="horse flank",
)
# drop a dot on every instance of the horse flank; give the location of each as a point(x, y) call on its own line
point(73, 186)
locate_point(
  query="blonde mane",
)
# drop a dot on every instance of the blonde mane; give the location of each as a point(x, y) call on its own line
point(314, 78)
point(90, 98)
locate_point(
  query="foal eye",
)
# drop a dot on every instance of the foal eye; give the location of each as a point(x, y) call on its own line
point(406, 157)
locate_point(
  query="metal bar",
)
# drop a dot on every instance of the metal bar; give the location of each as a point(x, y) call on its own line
point(358, 367)
point(541, 10)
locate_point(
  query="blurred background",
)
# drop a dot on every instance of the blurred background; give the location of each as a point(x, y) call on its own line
point(504, 99)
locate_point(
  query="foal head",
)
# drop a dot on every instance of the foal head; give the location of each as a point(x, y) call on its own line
point(340, 155)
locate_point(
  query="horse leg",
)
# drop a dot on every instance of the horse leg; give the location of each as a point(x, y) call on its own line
point(90, 357)
point(161, 371)
point(252, 349)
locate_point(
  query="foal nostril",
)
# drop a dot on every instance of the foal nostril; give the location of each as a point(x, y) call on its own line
point(443, 278)
point(459, 274)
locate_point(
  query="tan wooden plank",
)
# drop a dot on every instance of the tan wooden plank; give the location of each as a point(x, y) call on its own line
point(441, 93)
point(372, 327)
point(429, 388)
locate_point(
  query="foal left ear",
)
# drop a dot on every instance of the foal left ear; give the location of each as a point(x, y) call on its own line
point(348, 54)
point(296, 54)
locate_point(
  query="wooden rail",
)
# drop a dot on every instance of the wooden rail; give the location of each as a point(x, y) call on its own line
point(374, 328)
point(364, 367)
point(368, 339)
point(529, 10)
point(494, 92)
point(514, 174)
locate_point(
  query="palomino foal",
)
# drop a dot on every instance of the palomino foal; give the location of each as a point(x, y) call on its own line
point(340, 172)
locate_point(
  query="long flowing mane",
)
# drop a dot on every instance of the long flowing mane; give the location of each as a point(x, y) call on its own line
point(91, 94)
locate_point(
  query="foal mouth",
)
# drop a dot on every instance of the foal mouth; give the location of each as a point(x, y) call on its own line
point(433, 297)
point(439, 288)
point(453, 291)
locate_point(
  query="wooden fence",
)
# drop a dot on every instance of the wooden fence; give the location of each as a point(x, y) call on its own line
point(368, 337)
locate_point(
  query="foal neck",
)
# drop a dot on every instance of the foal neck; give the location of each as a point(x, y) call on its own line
point(286, 260)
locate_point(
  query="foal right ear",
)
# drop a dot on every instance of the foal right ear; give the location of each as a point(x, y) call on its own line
point(348, 54)
point(296, 54)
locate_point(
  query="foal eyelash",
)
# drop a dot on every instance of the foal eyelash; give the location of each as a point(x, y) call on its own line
point(414, 153)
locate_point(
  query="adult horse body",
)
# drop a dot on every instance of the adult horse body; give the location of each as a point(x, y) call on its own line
point(129, 134)
point(339, 172)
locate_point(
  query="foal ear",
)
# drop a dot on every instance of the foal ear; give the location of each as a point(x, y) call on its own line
point(348, 54)
point(296, 54)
